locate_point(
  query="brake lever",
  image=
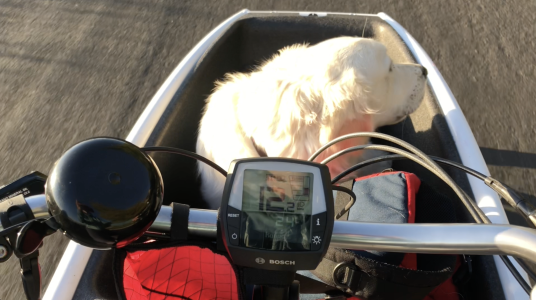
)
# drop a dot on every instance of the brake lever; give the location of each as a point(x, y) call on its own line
point(7, 237)
point(13, 207)
point(28, 185)
point(14, 210)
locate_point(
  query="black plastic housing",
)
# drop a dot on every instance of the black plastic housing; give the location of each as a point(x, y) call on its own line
point(29, 185)
point(271, 259)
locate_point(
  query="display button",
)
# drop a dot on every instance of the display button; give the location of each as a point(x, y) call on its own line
point(319, 222)
point(317, 239)
point(234, 235)
point(319, 227)
point(233, 216)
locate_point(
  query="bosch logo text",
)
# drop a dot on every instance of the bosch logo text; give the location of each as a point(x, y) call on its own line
point(282, 262)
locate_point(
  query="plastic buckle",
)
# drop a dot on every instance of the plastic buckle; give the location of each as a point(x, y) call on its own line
point(348, 275)
point(31, 276)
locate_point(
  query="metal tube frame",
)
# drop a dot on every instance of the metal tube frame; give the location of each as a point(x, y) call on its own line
point(476, 239)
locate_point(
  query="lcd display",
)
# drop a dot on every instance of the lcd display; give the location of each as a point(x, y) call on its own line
point(276, 208)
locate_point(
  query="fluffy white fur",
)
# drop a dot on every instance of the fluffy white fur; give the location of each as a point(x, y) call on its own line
point(302, 98)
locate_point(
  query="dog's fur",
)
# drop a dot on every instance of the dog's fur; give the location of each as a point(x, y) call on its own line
point(301, 99)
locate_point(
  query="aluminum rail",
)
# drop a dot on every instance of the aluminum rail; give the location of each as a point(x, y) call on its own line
point(476, 239)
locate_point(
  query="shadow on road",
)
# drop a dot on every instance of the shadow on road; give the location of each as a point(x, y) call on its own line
point(508, 158)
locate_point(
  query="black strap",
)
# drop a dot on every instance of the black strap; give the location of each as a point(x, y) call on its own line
point(272, 278)
point(31, 276)
point(310, 286)
point(179, 221)
point(464, 272)
point(351, 279)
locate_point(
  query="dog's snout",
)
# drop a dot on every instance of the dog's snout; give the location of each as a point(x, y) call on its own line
point(424, 71)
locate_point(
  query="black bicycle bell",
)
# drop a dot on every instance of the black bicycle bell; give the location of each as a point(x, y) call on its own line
point(104, 192)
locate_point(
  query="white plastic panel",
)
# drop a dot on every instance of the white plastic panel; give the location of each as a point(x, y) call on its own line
point(68, 273)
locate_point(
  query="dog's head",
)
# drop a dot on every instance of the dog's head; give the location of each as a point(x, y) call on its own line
point(358, 73)
point(346, 85)
point(310, 95)
point(349, 77)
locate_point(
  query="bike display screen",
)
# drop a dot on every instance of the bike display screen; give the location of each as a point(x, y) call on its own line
point(277, 208)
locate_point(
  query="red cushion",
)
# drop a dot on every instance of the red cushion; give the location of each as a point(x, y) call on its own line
point(176, 273)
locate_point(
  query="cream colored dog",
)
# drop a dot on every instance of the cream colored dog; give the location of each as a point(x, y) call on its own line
point(301, 99)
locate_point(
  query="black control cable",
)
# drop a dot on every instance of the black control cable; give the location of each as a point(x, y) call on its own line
point(469, 204)
point(512, 198)
point(350, 204)
point(187, 154)
point(428, 163)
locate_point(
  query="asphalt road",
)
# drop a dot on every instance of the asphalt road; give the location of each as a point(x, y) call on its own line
point(70, 70)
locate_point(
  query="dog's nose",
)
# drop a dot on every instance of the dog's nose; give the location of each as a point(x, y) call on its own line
point(424, 71)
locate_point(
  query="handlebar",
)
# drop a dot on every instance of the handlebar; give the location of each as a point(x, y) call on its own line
point(475, 239)
point(137, 210)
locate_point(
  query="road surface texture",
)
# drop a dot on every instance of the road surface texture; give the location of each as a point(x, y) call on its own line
point(70, 70)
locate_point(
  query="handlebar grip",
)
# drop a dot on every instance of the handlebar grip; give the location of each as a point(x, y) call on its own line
point(201, 222)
